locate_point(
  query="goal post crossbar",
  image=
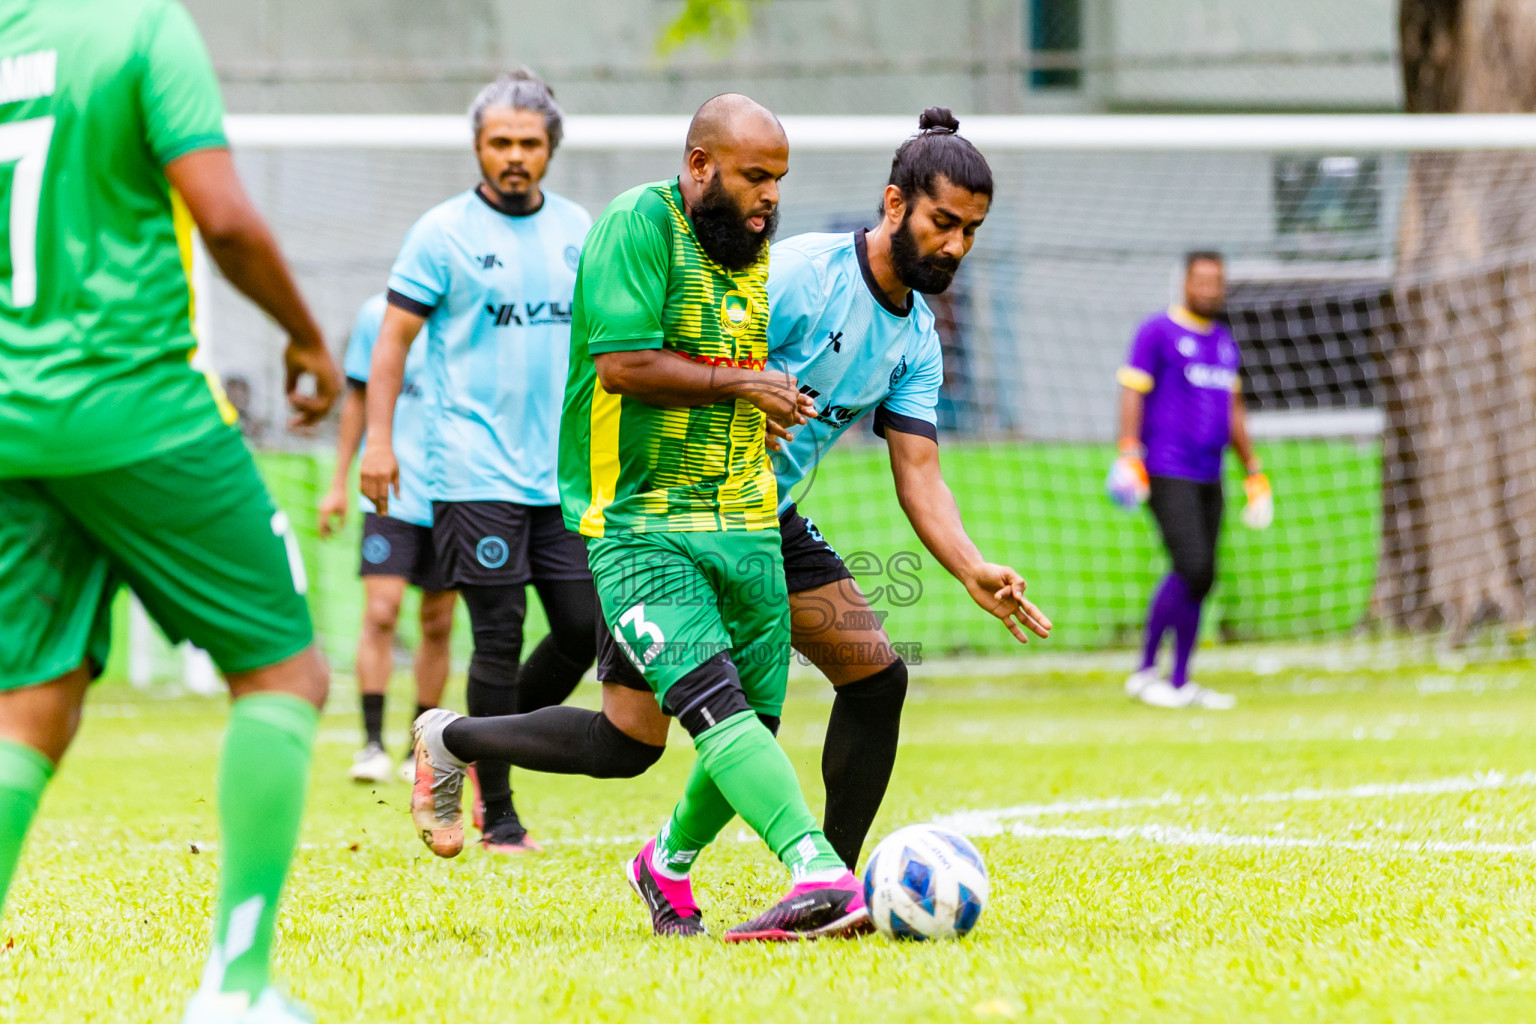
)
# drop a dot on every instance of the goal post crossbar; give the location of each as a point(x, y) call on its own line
point(1084, 133)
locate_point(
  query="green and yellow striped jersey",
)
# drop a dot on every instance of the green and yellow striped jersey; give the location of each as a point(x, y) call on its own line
point(630, 467)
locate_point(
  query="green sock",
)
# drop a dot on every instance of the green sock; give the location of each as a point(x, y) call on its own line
point(696, 821)
point(263, 774)
point(24, 773)
point(754, 776)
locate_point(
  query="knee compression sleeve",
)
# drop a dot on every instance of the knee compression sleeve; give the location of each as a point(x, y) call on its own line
point(707, 696)
point(618, 756)
point(496, 619)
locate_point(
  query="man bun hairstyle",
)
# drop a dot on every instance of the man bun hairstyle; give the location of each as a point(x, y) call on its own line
point(521, 89)
point(938, 119)
point(938, 150)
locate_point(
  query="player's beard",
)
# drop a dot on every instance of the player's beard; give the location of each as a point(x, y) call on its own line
point(517, 204)
point(722, 229)
point(927, 274)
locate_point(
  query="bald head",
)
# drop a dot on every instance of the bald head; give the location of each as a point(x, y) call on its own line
point(737, 152)
point(730, 119)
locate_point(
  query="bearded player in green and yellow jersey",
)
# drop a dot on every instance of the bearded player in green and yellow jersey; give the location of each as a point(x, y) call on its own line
point(119, 463)
point(664, 471)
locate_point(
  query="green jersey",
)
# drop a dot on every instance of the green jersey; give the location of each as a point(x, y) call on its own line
point(96, 97)
point(629, 467)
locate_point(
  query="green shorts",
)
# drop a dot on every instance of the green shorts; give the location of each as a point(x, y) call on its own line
point(192, 531)
point(676, 600)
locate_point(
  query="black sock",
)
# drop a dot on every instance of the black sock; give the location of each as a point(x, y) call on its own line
point(373, 717)
point(561, 740)
point(495, 777)
point(859, 754)
point(563, 657)
point(496, 620)
point(547, 677)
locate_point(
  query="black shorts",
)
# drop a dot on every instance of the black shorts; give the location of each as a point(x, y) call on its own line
point(394, 547)
point(809, 562)
point(1188, 514)
point(501, 543)
point(613, 665)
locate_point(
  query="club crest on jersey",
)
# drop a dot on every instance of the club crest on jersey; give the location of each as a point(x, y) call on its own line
point(899, 372)
point(735, 312)
point(1188, 346)
point(572, 257)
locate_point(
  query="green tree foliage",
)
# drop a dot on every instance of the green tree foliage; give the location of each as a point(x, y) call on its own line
point(718, 22)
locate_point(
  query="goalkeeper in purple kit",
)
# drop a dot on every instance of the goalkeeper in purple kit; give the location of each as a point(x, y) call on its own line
point(1181, 404)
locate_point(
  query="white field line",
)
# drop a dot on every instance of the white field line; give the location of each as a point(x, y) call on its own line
point(1173, 835)
point(996, 821)
point(1005, 821)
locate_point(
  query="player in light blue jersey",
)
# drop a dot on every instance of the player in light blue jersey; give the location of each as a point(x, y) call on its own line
point(490, 274)
point(849, 322)
point(396, 548)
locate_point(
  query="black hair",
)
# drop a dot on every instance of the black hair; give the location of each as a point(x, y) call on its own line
point(1200, 256)
point(938, 150)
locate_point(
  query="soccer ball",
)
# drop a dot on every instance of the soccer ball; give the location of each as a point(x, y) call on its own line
point(925, 882)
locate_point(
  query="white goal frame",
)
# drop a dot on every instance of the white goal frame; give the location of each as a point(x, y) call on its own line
point(1101, 132)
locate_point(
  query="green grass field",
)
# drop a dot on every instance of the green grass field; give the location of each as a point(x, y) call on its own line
point(1343, 847)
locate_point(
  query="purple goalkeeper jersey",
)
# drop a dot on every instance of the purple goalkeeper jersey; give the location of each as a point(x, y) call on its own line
point(1186, 367)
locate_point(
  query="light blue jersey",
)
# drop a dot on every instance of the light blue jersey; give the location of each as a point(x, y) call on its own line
point(412, 506)
point(496, 293)
point(851, 350)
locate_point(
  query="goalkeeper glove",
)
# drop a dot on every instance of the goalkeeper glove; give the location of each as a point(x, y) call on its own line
point(1127, 482)
point(1259, 512)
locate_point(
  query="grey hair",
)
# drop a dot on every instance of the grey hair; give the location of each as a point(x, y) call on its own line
point(521, 90)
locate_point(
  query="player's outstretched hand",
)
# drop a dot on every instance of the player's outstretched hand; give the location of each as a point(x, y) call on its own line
point(333, 510)
point(311, 360)
point(378, 473)
point(1000, 590)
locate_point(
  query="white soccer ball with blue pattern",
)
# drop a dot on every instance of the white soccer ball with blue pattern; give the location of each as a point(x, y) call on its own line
point(925, 882)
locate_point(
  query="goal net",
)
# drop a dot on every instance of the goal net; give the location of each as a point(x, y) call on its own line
point(1381, 290)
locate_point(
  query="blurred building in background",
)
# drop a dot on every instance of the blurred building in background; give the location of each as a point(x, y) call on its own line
point(1079, 246)
point(810, 56)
